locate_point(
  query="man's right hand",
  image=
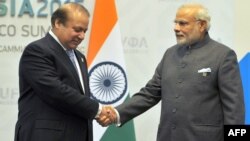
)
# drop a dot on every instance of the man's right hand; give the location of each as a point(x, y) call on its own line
point(107, 117)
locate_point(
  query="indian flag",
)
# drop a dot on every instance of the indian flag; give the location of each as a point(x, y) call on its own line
point(107, 74)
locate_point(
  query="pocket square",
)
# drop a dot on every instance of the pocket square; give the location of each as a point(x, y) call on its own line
point(205, 71)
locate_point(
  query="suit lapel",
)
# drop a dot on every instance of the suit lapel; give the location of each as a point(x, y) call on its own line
point(84, 71)
point(61, 53)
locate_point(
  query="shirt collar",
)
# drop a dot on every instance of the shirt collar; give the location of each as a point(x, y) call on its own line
point(202, 42)
point(55, 37)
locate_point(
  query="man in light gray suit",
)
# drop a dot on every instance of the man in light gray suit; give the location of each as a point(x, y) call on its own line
point(198, 81)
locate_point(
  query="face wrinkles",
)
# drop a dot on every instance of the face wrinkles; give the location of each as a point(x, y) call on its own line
point(186, 27)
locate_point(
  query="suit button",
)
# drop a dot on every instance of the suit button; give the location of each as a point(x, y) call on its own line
point(183, 65)
point(180, 81)
point(173, 126)
point(174, 110)
point(177, 96)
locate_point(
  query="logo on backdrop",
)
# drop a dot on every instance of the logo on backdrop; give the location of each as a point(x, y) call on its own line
point(108, 82)
point(16, 30)
point(8, 95)
point(135, 44)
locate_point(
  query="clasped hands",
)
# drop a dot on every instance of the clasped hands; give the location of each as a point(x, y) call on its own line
point(107, 116)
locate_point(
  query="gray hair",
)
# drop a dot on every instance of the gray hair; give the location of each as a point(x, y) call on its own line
point(201, 14)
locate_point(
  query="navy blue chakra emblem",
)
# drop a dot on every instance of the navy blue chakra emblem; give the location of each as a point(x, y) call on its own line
point(108, 82)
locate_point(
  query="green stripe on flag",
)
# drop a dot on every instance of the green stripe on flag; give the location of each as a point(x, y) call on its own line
point(124, 133)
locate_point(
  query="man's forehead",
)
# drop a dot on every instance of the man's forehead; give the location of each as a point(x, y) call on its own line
point(186, 14)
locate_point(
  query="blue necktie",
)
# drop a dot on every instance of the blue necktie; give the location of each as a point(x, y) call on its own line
point(71, 55)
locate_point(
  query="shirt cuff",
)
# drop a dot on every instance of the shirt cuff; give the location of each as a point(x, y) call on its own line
point(99, 111)
point(118, 122)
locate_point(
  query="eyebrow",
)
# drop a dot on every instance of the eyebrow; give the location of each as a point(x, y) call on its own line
point(177, 21)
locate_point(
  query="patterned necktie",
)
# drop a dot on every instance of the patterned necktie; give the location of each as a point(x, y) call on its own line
point(71, 55)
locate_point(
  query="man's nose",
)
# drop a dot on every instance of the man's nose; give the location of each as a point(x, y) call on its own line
point(82, 35)
point(177, 27)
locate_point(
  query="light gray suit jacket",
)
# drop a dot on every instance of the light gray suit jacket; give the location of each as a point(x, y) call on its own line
point(196, 103)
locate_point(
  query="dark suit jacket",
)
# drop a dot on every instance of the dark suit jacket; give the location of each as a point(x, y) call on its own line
point(52, 105)
point(194, 106)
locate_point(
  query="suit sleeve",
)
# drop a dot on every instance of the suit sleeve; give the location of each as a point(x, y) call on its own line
point(38, 69)
point(231, 91)
point(146, 98)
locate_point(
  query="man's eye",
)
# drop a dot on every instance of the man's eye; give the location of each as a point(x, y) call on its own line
point(78, 30)
point(183, 23)
point(81, 30)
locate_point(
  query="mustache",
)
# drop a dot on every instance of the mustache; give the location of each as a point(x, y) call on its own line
point(179, 34)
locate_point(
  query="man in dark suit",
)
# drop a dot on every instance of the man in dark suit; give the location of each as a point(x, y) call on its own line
point(54, 102)
point(198, 82)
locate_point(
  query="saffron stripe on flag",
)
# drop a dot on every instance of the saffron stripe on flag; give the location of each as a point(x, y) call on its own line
point(104, 20)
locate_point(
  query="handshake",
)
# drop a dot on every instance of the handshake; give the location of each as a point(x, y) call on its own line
point(107, 116)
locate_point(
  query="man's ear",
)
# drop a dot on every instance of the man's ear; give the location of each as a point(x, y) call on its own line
point(58, 23)
point(203, 25)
